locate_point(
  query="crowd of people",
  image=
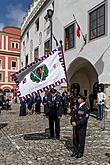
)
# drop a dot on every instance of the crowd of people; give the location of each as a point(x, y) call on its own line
point(34, 104)
point(55, 105)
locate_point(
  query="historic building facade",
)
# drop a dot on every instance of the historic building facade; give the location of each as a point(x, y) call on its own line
point(86, 63)
point(9, 57)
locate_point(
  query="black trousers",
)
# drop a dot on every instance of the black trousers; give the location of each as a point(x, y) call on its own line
point(79, 135)
point(37, 108)
point(54, 120)
point(65, 110)
point(75, 141)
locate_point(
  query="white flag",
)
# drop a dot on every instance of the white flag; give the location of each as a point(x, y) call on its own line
point(42, 75)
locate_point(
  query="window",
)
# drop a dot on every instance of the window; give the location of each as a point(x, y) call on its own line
point(12, 44)
point(47, 47)
point(69, 37)
point(17, 45)
point(36, 54)
point(21, 64)
point(13, 64)
point(26, 60)
point(37, 24)
point(11, 78)
point(0, 64)
point(27, 36)
point(97, 22)
point(23, 45)
point(0, 76)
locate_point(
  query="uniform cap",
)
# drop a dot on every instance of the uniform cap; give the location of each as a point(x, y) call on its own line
point(81, 95)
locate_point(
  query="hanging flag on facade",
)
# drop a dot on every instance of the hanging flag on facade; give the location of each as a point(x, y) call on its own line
point(78, 31)
point(41, 75)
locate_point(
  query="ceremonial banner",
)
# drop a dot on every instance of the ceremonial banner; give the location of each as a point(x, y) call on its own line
point(40, 75)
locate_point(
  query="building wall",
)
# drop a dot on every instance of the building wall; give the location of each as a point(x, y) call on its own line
point(85, 64)
point(8, 54)
point(94, 51)
point(38, 38)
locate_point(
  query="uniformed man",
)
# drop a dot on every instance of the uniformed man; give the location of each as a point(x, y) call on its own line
point(54, 112)
point(80, 125)
point(74, 108)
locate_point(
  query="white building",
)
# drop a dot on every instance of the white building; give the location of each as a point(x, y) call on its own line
point(86, 64)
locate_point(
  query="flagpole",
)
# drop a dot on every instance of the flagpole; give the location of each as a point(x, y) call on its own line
point(80, 29)
point(64, 64)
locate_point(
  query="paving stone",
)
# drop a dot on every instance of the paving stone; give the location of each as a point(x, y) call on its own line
point(24, 140)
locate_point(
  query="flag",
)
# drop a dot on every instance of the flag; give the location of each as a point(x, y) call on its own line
point(78, 31)
point(41, 75)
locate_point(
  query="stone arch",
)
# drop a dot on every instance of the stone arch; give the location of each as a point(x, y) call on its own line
point(81, 71)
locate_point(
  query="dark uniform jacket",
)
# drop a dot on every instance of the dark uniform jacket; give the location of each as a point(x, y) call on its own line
point(54, 106)
point(82, 115)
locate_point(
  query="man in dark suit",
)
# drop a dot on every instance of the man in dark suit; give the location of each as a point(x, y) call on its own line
point(54, 112)
point(79, 126)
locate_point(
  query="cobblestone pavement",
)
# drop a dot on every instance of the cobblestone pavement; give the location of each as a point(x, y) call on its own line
point(24, 141)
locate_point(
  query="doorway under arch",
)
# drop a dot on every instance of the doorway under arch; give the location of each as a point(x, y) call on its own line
point(82, 72)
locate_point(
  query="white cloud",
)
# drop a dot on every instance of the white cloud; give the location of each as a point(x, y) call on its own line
point(1, 26)
point(15, 14)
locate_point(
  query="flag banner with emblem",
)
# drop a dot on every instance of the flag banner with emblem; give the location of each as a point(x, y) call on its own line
point(41, 75)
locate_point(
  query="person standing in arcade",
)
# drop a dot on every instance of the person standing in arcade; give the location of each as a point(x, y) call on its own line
point(101, 97)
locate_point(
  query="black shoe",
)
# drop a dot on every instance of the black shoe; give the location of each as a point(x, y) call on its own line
point(79, 155)
point(58, 137)
point(73, 154)
point(51, 137)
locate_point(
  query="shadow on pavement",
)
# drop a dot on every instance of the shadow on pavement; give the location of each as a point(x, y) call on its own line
point(2, 125)
point(69, 144)
point(108, 156)
point(94, 113)
point(37, 136)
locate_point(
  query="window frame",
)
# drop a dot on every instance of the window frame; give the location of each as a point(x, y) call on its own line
point(97, 8)
point(37, 48)
point(74, 28)
point(26, 60)
point(11, 78)
point(14, 44)
point(49, 50)
point(1, 64)
point(27, 36)
point(37, 24)
point(12, 62)
point(1, 77)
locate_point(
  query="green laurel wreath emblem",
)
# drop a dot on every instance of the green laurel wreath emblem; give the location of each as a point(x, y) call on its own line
point(39, 74)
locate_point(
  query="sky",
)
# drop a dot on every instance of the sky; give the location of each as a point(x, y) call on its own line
point(12, 12)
